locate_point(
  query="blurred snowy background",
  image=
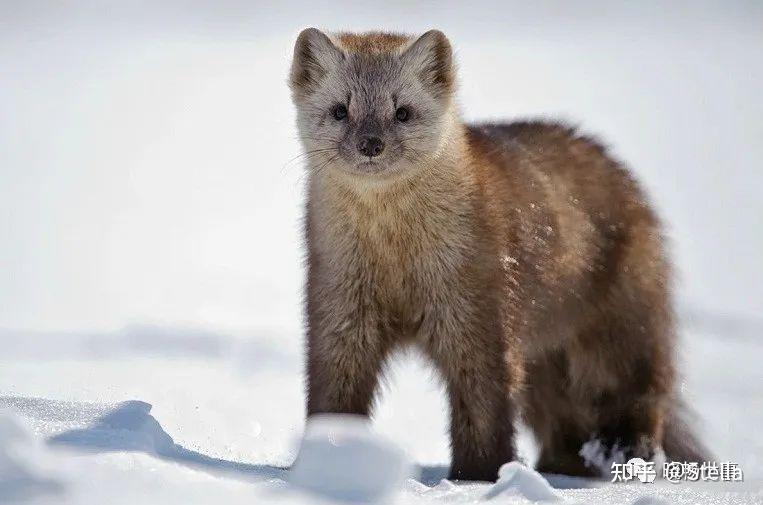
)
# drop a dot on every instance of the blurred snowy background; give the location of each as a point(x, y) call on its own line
point(150, 202)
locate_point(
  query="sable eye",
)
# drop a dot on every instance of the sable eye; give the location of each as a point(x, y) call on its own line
point(339, 112)
point(402, 114)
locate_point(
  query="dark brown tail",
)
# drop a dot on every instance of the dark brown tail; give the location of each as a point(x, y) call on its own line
point(679, 442)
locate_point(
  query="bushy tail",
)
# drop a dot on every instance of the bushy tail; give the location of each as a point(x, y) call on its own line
point(679, 442)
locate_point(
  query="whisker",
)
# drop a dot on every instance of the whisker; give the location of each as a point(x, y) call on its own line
point(325, 164)
point(318, 139)
point(308, 155)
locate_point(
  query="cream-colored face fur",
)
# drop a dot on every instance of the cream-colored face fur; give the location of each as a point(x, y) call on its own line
point(371, 107)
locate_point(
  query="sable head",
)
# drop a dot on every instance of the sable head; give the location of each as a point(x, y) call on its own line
point(372, 104)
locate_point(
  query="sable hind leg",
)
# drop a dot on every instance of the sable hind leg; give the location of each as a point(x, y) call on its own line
point(624, 363)
point(609, 387)
point(559, 425)
point(629, 413)
point(619, 433)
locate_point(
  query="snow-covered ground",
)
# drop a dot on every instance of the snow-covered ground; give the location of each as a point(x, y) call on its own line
point(217, 423)
point(151, 261)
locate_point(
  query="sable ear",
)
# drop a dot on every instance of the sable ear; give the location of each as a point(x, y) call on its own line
point(432, 56)
point(314, 54)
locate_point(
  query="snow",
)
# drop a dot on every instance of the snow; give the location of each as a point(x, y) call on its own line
point(649, 500)
point(19, 477)
point(596, 455)
point(516, 479)
point(142, 426)
point(341, 458)
point(150, 308)
point(128, 427)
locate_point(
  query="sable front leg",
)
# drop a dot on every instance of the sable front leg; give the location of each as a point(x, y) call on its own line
point(479, 379)
point(345, 355)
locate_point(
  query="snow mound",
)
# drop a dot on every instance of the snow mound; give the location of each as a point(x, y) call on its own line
point(129, 427)
point(19, 477)
point(340, 458)
point(123, 427)
point(516, 479)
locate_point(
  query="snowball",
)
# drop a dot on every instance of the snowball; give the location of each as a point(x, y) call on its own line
point(341, 458)
point(515, 478)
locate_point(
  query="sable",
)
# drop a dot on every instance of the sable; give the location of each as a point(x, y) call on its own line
point(521, 258)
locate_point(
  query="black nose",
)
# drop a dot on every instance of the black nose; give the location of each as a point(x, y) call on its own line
point(371, 146)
